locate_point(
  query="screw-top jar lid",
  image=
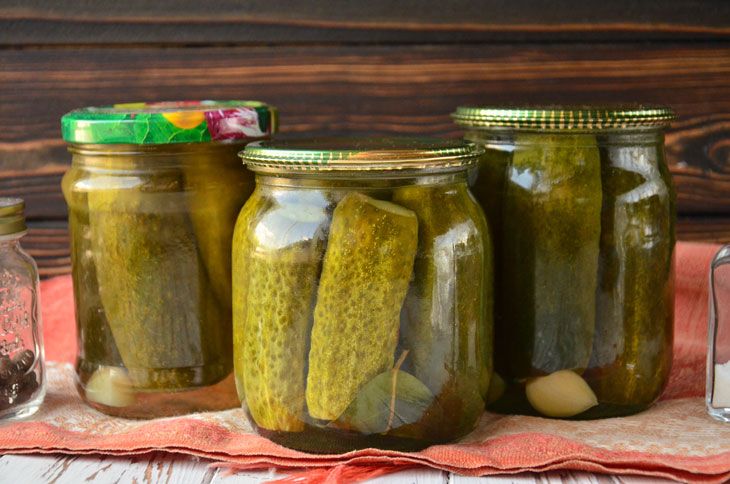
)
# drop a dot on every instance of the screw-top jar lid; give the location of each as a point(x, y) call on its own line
point(360, 154)
point(12, 218)
point(169, 122)
point(569, 117)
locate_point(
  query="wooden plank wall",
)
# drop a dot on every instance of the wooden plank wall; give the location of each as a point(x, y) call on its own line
point(349, 67)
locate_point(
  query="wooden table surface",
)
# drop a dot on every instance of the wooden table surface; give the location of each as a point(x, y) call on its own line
point(166, 468)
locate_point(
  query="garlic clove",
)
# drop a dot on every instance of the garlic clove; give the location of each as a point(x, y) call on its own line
point(111, 386)
point(560, 394)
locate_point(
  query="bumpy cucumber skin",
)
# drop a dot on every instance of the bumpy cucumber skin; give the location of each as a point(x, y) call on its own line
point(632, 348)
point(365, 276)
point(250, 212)
point(552, 222)
point(217, 186)
point(447, 319)
point(281, 290)
point(168, 325)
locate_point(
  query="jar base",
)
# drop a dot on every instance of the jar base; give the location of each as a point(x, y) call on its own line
point(514, 402)
point(149, 405)
point(331, 441)
point(22, 411)
point(721, 414)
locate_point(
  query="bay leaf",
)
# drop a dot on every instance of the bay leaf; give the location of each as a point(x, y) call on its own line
point(372, 412)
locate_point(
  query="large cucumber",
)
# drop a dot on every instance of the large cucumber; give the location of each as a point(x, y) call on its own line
point(365, 276)
point(96, 342)
point(287, 246)
point(447, 320)
point(552, 223)
point(632, 347)
point(217, 185)
point(168, 325)
point(487, 183)
point(250, 213)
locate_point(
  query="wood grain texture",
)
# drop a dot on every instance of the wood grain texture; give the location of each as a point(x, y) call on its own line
point(704, 229)
point(559, 477)
point(370, 90)
point(48, 243)
point(24, 22)
point(166, 468)
point(332, 90)
point(154, 468)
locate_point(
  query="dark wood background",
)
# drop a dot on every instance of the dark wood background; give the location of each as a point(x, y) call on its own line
point(353, 67)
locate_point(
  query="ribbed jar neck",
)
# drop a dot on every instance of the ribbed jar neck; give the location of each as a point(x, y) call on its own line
point(604, 137)
point(355, 180)
point(140, 158)
point(11, 241)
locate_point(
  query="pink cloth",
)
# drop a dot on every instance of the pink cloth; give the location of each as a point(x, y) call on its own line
point(674, 439)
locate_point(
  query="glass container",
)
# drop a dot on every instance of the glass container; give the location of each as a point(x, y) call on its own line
point(22, 377)
point(718, 354)
point(362, 288)
point(153, 194)
point(582, 208)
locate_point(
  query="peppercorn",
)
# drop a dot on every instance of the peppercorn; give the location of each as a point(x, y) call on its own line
point(24, 361)
point(7, 368)
point(17, 382)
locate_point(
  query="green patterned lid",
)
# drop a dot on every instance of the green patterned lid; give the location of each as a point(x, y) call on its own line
point(360, 154)
point(169, 122)
point(12, 217)
point(578, 117)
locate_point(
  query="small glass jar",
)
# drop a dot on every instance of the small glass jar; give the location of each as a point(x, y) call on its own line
point(718, 354)
point(582, 207)
point(153, 195)
point(362, 291)
point(22, 377)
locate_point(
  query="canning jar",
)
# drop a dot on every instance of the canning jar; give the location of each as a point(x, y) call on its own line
point(153, 194)
point(583, 211)
point(362, 294)
point(22, 379)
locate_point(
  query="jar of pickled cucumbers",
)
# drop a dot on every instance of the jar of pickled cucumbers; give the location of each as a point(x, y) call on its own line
point(583, 211)
point(153, 194)
point(362, 294)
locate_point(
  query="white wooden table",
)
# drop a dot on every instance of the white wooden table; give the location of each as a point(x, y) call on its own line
point(165, 468)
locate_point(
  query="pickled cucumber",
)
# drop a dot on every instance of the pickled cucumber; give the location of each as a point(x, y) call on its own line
point(168, 326)
point(96, 342)
point(283, 271)
point(217, 189)
point(632, 347)
point(488, 186)
point(250, 212)
point(365, 275)
point(552, 223)
point(447, 320)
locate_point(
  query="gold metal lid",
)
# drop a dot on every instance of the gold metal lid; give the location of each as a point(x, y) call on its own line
point(360, 154)
point(12, 219)
point(568, 117)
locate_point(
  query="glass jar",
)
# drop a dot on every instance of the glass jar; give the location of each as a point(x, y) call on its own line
point(22, 378)
point(583, 211)
point(153, 194)
point(718, 352)
point(362, 293)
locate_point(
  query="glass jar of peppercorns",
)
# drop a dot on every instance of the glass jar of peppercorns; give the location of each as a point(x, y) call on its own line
point(22, 382)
